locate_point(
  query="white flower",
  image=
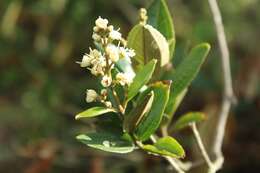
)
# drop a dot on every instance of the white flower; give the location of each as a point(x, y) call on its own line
point(112, 52)
point(106, 81)
point(94, 53)
point(96, 37)
point(101, 23)
point(126, 53)
point(108, 104)
point(110, 28)
point(91, 95)
point(115, 35)
point(123, 79)
point(131, 53)
point(86, 61)
point(97, 69)
point(99, 61)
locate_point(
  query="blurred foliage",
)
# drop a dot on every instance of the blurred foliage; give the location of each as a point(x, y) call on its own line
point(42, 88)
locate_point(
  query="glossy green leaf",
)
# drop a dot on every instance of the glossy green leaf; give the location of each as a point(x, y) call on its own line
point(160, 18)
point(148, 44)
point(185, 73)
point(141, 78)
point(107, 142)
point(166, 146)
point(187, 119)
point(151, 121)
point(93, 112)
point(142, 106)
point(176, 104)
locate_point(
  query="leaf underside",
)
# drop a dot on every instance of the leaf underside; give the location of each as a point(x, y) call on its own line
point(93, 112)
point(107, 142)
point(160, 18)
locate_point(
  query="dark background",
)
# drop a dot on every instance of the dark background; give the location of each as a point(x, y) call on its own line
point(42, 88)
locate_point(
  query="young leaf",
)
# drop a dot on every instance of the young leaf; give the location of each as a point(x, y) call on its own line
point(185, 73)
point(166, 146)
point(187, 119)
point(160, 18)
point(148, 44)
point(115, 143)
point(141, 78)
point(150, 122)
point(93, 112)
point(143, 105)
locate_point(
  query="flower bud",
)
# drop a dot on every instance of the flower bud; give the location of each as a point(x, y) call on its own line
point(96, 37)
point(95, 29)
point(110, 28)
point(101, 23)
point(115, 35)
point(91, 95)
point(106, 81)
point(104, 93)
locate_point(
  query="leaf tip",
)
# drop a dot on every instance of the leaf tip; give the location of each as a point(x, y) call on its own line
point(78, 137)
point(77, 117)
point(206, 46)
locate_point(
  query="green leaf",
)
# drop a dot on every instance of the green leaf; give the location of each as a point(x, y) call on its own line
point(185, 73)
point(107, 142)
point(133, 118)
point(175, 105)
point(187, 119)
point(151, 121)
point(148, 44)
point(93, 112)
point(160, 18)
point(166, 146)
point(141, 78)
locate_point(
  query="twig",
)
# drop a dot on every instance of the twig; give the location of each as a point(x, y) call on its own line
point(172, 161)
point(228, 89)
point(201, 146)
point(174, 164)
point(119, 106)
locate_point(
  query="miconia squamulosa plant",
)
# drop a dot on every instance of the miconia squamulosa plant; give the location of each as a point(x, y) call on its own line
point(139, 88)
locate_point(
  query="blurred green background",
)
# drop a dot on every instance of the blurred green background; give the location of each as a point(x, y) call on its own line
point(42, 88)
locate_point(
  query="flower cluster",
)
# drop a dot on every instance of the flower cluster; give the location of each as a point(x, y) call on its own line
point(111, 47)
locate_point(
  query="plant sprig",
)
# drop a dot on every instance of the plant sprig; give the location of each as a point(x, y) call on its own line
point(137, 87)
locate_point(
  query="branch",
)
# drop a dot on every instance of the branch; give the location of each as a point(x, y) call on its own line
point(228, 96)
point(174, 164)
point(202, 148)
